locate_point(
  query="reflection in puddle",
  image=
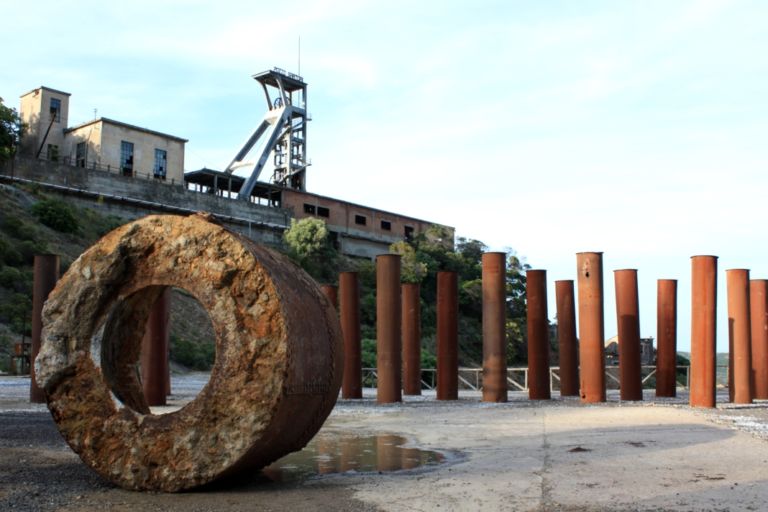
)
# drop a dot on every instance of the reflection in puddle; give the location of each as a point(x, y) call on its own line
point(332, 452)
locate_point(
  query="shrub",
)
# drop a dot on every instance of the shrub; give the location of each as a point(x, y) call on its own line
point(196, 356)
point(11, 278)
point(56, 214)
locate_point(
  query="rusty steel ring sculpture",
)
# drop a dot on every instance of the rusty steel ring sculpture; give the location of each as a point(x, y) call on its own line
point(278, 362)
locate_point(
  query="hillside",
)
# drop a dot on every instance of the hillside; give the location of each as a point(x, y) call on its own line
point(34, 223)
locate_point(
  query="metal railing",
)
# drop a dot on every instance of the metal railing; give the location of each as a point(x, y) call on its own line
point(517, 377)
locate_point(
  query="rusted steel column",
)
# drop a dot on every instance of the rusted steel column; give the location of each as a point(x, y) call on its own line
point(703, 330)
point(388, 329)
point(566, 338)
point(758, 303)
point(538, 335)
point(628, 321)
point(494, 327)
point(589, 268)
point(46, 273)
point(666, 337)
point(739, 326)
point(154, 350)
point(411, 339)
point(275, 378)
point(349, 306)
point(447, 336)
point(331, 292)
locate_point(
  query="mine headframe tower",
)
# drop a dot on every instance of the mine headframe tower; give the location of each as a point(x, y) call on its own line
point(282, 134)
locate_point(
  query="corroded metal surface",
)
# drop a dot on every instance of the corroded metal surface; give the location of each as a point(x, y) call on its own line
point(349, 306)
point(154, 351)
point(740, 339)
point(538, 335)
point(758, 303)
point(388, 329)
point(447, 335)
point(589, 266)
point(278, 355)
point(411, 318)
point(628, 321)
point(666, 337)
point(566, 338)
point(494, 325)
point(703, 330)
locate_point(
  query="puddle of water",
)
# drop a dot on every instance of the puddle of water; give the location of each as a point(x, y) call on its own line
point(332, 452)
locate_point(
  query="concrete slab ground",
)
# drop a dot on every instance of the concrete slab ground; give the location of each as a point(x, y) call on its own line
point(521, 455)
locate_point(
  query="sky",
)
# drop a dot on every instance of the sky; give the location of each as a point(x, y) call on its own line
point(633, 128)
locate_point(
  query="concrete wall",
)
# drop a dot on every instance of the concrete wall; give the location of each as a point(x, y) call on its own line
point(35, 113)
point(144, 145)
point(133, 197)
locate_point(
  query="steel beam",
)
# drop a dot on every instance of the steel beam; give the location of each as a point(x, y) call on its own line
point(411, 312)
point(628, 321)
point(589, 268)
point(703, 330)
point(45, 275)
point(739, 336)
point(349, 306)
point(447, 336)
point(494, 327)
point(388, 329)
point(666, 337)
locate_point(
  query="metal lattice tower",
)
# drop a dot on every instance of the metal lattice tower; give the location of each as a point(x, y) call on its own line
point(283, 132)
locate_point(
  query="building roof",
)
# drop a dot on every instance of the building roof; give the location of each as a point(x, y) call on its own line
point(47, 89)
point(125, 125)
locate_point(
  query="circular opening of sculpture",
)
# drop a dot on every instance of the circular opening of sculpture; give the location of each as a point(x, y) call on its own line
point(150, 339)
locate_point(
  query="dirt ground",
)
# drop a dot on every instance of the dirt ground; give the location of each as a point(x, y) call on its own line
point(521, 455)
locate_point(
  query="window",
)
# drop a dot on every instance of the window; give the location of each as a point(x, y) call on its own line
point(55, 109)
point(322, 211)
point(80, 154)
point(309, 208)
point(53, 153)
point(360, 220)
point(408, 232)
point(126, 158)
point(386, 225)
point(161, 163)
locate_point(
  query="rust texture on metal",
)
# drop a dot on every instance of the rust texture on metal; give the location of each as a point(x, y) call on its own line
point(154, 350)
point(758, 303)
point(411, 313)
point(589, 269)
point(703, 330)
point(666, 337)
point(278, 362)
point(568, 348)
point(494, 327)
point(447, 336)
point(538, 335)
point(349, 311)
point(331, 291)
point(388, 329)
point(628, 321)
point(739, 336)
point(45, 275)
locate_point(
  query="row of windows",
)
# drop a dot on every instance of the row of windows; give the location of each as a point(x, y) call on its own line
point(159, 169)
point(360, 220)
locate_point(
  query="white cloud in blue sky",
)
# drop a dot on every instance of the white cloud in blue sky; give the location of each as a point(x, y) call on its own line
point(633, 128)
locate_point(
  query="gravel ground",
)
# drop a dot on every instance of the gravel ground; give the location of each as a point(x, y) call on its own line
point(39, 472)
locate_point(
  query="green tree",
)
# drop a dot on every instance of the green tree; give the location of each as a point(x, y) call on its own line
point(11, 130)
point(56, 214)
point(411, 269)
point(309, 244)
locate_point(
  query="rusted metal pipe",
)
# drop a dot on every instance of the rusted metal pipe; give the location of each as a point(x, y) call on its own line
point(568, 349)
point(589, 268)
point(494, 327)
point(388, 329)
point(331, 291)
point(278, 361)
point(411, 338)
point(666, 338)
point(538, 335)
point(703, 330)
point(154, 350)
point(45, 275)
point(349, 306)
point(739, 327)
point(628, 321)
point(758, 303)
point(447, 336)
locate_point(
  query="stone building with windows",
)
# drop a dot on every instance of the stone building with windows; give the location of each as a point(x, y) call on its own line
point(102, 143)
